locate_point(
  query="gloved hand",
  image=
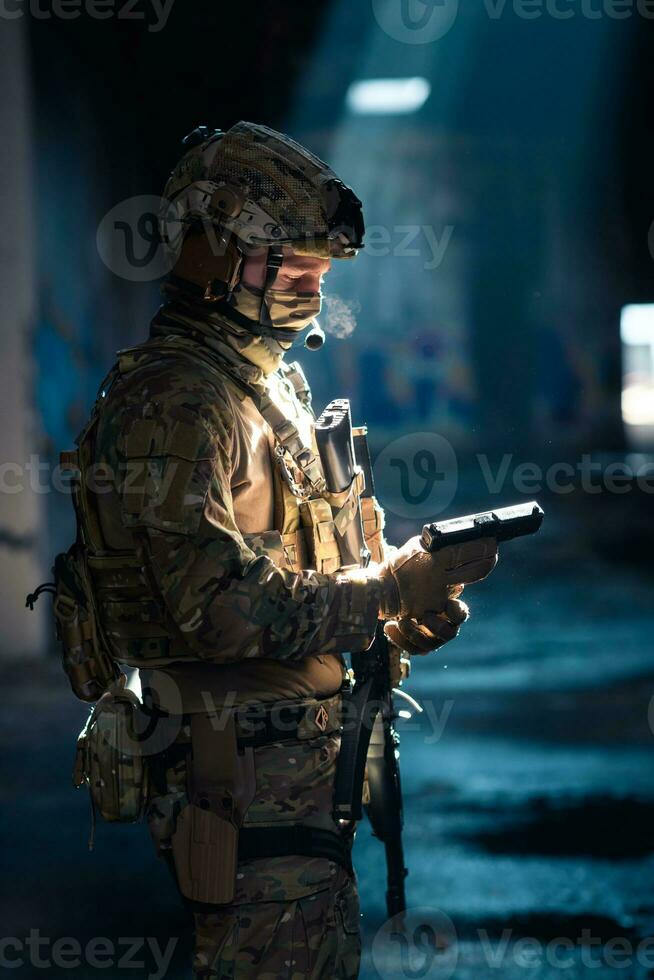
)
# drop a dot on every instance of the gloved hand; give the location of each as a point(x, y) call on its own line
point(421, 591)
point(436, 629)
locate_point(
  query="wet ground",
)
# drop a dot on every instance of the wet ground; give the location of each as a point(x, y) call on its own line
point(529, 784)
point(529, 791)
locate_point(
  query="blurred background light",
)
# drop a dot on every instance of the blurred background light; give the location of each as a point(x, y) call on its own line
point(387, 96)
point(637, 325)
point(637, 332)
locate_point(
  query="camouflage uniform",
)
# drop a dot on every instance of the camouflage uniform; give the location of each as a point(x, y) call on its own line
point(217, 606)
point(208, 556)
point(208, 559)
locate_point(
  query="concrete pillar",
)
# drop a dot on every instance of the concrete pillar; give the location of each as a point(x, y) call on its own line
point(21, 632)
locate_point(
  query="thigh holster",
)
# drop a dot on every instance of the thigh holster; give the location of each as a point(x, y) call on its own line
point(222, 785)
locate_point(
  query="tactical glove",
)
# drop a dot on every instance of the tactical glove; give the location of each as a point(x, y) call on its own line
point(421, 591)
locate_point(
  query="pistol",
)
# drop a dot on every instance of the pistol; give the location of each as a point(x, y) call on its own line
point(503, 525)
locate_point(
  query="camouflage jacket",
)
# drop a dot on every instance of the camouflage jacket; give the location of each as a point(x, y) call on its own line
point(187, 465)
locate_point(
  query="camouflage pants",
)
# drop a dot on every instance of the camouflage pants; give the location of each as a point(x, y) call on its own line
point(311, 938)
point(292, 918)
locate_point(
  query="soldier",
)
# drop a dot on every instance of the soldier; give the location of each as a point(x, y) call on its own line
point(215, 568)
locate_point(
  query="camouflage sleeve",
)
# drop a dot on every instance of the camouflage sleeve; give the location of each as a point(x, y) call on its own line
point(229, 603)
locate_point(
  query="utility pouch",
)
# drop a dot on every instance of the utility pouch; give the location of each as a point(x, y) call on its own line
point(87, 663)
point(320, 535)
point(205, 842)
point(109, 759)
point(373, 528)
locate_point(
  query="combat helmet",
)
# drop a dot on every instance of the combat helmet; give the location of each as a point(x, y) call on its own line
point(267, 190)
point(251, 188)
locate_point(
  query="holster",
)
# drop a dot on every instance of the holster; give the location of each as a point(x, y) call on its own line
point(222, 786)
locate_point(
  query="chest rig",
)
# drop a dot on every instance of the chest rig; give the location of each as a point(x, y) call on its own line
point(311, 514)
point(311, 518)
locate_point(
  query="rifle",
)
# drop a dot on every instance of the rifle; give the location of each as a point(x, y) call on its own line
point(370, 744)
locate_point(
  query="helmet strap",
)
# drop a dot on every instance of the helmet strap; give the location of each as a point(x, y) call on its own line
point(274, 261)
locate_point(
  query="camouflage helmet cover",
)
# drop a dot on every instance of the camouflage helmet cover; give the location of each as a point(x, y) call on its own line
point(267, 190)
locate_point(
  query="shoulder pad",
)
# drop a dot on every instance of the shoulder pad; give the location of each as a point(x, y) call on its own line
point(168, 433)
point(173, 346)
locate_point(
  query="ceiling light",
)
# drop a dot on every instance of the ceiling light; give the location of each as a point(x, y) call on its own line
point(387, 96)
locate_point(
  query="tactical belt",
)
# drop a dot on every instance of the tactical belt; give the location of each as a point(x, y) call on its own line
point(294, 722)
point(263, 725)
point(297, 840)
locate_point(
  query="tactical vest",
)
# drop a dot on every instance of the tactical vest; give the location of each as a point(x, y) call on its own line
point(106, 603)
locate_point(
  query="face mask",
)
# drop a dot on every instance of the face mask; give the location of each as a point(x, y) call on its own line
point(265, 352)
point(287, 310)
